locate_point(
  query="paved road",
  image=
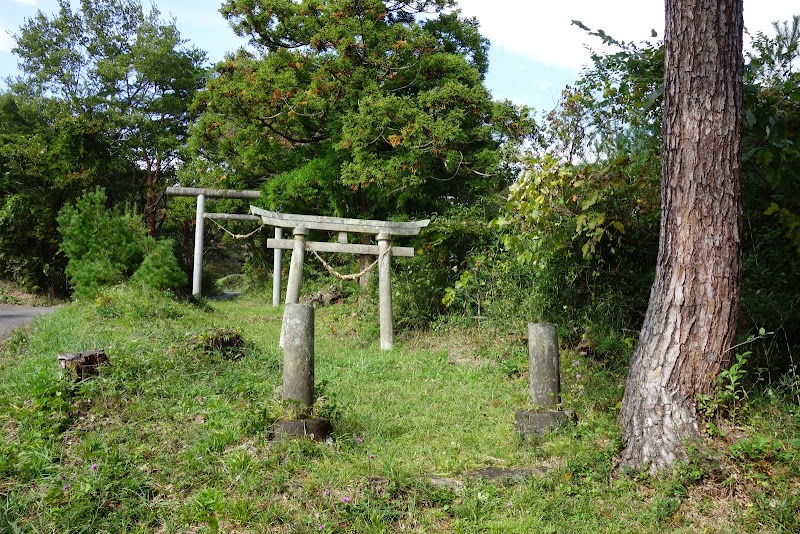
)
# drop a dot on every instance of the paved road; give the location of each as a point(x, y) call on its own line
point(14, 316)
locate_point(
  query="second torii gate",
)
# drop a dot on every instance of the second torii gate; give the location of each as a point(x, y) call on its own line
point(383, 232)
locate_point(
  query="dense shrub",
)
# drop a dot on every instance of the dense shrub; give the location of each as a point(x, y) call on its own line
point(589, 234)
point(106, 246)
point(160, 269)
point(443, 252)
point(103, 246)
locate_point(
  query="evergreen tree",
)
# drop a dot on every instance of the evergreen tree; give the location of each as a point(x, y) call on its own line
point(354, 107)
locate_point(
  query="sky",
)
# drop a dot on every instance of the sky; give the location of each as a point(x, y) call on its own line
point(535, 50)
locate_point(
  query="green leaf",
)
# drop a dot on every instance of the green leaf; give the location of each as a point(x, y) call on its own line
point(591, 201)
point(449, 297)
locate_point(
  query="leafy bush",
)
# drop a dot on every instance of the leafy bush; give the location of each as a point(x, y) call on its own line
point(103, 246)
point(589, 235)
point(443, 251)
point(160, 269)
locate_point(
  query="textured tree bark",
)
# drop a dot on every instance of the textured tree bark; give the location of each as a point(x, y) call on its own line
point(692, 315)
point(364, 261)
point(151, 204)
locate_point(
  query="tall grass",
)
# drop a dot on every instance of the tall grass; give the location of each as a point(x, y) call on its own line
point(172, 436)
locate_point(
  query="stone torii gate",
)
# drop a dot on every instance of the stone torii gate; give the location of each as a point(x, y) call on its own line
point(201, 194)
point(383, 232)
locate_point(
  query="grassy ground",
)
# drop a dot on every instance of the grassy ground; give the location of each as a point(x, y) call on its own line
point(11, 294)
point(172, 436)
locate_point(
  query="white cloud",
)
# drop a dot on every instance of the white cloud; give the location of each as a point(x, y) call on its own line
point(543, 31)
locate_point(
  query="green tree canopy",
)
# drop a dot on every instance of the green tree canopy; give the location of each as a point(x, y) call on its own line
point(47, 159)
point(114, 61)
point(354, 107)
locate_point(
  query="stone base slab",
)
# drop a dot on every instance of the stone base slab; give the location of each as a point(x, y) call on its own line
point(538, 423)
point(312, 428)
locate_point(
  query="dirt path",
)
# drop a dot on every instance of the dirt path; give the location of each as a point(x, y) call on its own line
point(14, 316)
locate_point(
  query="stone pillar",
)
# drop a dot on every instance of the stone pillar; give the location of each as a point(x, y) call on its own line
point(296, 267)
point(298, 356)
point(199, 229)
point(545, 385)
point(385, 291)
point(297, 389)
point(276, 270)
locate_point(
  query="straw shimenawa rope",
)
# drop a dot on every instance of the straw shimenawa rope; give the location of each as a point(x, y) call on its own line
point(346, 277)
point(236, 236)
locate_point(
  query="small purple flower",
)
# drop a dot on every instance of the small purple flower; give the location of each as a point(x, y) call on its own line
point(359, 440)
point(345, 500)
point(326, 492)
point(66, 487)
point(510, 504)
point(321, 528)
point(577, 377)
point(576, 363)
point(93, 467)
point(371, 456)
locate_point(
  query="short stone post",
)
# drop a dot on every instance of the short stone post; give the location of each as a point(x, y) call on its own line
point(385, 291)
point(276, 270)
point(545, 384)
point(298, 355)
point(297, 389)
point(199, 229)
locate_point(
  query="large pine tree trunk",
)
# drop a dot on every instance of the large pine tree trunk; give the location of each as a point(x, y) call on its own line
point(692, 315)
